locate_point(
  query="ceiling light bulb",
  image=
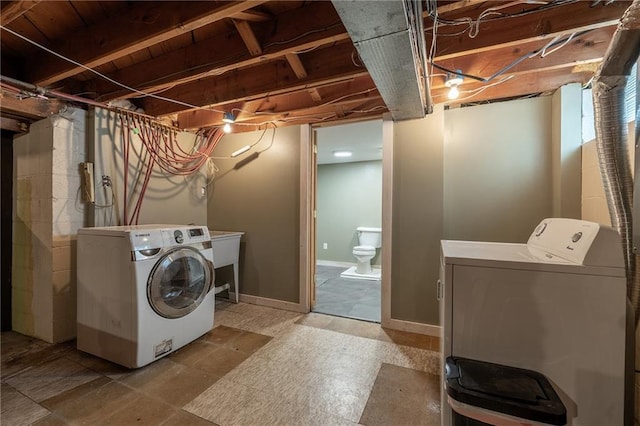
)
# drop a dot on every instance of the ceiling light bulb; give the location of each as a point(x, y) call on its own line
point(453, 92)
point(227, 128)
point(342, 153)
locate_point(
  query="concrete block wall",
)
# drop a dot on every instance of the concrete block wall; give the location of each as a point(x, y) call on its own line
point(47, 214)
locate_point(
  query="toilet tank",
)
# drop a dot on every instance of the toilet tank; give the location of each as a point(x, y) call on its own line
point(370, 236)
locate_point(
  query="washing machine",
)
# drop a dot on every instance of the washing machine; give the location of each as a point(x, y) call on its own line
point(143, 291)
point(555, 305)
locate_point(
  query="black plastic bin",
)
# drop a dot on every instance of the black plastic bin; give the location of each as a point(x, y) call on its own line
point(520, 393)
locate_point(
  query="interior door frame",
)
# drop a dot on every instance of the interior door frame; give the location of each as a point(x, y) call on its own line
point(308, 171)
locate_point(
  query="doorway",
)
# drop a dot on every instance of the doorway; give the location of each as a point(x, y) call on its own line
point(348, 194)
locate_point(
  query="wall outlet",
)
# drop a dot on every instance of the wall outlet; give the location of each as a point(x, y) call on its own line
point(325, 246)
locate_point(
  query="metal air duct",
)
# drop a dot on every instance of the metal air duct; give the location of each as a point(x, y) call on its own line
point(389, 38)
point(611, 138)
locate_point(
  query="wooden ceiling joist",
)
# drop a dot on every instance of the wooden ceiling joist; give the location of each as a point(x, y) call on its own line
point(324, 66)
point(248, 37)
point(32, 108)
point(511, 32)
point(296, 65)
point(219, 55)
point(315, 95)
point(587, 48)
point(12, 10)
point(252, 16)
point(109, 39)
point(517, 86)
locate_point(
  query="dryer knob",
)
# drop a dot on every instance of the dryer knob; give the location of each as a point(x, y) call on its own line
point(179, 237)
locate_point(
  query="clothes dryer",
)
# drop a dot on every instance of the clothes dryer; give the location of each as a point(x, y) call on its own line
point(143, 291)
point(556, 305)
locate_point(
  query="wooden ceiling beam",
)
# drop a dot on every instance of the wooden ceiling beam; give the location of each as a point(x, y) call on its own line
point(451, 7)
point(510, 32)
point(31, 108)
point(297, 105)
point(587, 48)
point(296, 65)
point(222, 54)
point(248, 37)
point(12, 10)
point(323, 65)
point(146, 24)
point(13, 125)
point(252, 15)
point(520, 85)
point(315, 95)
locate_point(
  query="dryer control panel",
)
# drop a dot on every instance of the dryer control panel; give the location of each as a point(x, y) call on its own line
point(578, 241)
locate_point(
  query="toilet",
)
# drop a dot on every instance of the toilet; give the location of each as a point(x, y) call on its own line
point(369, 240)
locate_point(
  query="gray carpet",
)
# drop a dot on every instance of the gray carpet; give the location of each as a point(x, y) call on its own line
point(346, 297)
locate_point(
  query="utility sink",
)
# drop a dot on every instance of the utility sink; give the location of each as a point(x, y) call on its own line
point(226, 251)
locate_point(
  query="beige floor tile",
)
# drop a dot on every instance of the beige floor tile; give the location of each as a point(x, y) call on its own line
point(50, 420)
point(248, 342)
point(182, 418)
point(221, 361)
point(51, 378)
point(222, 334)
point(94, 405)
point(99, 365)
point(139, 410)
point(219, 400)
point(173, 383)
point(77, 392)
point(192, 353)
point(313, 319)
point(17, 409)
point(402, 396)
point(309, 416)
point(339, 397)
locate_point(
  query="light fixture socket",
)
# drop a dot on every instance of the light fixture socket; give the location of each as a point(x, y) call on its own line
point(453, 80)
point(227, 117)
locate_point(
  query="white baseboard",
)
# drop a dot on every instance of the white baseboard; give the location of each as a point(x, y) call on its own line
point(413, 327)
point(334, 263)
point(273, 303)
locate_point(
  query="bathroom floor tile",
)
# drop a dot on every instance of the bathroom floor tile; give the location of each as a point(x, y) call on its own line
point(347, 297)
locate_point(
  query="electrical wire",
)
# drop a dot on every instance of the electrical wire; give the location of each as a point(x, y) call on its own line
point(554, 42)
point(493, 13)
point(99, 74)
point(298, 37)
point(479, 90)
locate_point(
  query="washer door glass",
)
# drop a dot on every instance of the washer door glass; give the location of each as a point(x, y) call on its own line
point(179, 282)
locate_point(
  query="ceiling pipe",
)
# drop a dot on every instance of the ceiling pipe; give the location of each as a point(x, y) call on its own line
point(389, 38)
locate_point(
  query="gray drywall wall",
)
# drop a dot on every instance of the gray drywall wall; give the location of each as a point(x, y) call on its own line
point(497, 170)
point(262, 199)
point(417, 217)
point(169, 199)
point(348, 195)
